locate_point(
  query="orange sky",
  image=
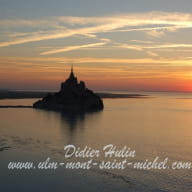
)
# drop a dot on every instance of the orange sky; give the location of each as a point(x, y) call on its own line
point(131, 51)
point(44, 74)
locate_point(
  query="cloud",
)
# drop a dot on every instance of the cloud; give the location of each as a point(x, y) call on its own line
point(128, 46)
point(55, 67)
point(62, 27)
point(38, 37)
point(156, 33)
point(70, 48)
point(171, 45)
point(143, 42)
point(153, 46)
point(152, 54)
point(130, 19)
point(90, 60)
point(146, 29)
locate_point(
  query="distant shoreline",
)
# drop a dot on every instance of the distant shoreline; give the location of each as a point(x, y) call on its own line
point(15, 106)
point(41, 94)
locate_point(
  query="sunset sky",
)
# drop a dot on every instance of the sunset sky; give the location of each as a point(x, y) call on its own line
point(131, 45)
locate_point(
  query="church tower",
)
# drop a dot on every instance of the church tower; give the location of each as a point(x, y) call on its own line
point(71, 82)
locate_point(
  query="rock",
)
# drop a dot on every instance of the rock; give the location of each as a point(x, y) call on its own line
point(72, 97)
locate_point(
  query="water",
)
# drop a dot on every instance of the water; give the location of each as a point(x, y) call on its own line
point(157, 126)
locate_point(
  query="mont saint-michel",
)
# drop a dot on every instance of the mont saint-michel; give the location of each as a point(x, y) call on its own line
point(73, 97)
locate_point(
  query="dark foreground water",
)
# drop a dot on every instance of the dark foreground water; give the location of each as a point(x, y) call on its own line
point(157, 126)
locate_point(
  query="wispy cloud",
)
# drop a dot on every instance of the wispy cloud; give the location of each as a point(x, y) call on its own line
point(168, 45)
point(39, 68)
point(91, 60)
point(153, 46)
point(70, 48)
point(151, 53)
point(143, 42)
point(127, 46)
point(156, 33)
point(62, 27)
point(130, 19)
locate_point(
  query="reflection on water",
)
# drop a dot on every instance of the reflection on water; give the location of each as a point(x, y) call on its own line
point(73, 124)
point(76, 120)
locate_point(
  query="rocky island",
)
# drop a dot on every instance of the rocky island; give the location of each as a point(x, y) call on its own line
point(72, 97)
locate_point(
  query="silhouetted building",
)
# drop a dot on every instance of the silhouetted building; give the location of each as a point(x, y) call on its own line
point(73, 96)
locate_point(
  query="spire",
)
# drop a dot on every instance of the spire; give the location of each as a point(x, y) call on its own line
point(72, 68)
point(72, 74)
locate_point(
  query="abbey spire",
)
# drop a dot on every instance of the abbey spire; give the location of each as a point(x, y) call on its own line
point(72, 76)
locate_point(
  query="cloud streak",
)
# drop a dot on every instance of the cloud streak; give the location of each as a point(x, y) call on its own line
point(92, 60)
point(70, 48)
point(62, 27)
point(156, 46)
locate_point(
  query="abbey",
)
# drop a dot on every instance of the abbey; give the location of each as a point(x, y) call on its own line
point(73, 96)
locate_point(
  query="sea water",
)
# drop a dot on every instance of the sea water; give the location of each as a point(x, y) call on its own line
point(156, 128)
